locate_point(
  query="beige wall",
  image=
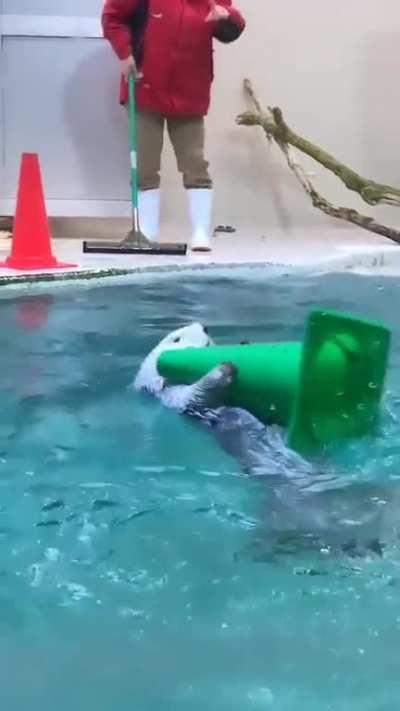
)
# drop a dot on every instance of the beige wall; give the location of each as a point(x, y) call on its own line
point(333, 67)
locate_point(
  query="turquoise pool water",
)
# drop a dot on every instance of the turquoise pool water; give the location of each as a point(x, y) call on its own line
point(130, 570)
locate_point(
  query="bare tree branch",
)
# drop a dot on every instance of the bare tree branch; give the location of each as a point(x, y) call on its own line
point(275, 126)
point(276, 129)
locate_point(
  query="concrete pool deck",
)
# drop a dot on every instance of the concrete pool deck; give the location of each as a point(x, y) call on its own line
point(331, 249)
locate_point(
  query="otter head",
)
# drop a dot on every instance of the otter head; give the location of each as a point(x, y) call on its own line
point(193, 336)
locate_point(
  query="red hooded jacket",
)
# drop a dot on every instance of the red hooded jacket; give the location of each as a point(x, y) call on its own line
point(173, 46)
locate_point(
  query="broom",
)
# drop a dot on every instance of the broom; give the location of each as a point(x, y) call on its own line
point(135, 242)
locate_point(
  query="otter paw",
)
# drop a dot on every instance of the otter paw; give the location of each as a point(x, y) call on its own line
point(229, 369)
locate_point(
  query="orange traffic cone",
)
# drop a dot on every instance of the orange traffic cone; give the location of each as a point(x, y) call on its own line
point(31, 245)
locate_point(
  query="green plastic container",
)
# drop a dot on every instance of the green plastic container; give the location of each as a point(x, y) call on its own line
point(324, 391)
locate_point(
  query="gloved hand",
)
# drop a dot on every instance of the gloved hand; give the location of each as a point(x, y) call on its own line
point(217, 12)
point(128, 67)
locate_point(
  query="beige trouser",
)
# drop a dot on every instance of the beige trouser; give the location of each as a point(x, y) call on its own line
point(187, 137)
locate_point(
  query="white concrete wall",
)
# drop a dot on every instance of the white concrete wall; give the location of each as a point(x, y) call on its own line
point(78, 8)
point(332, 67)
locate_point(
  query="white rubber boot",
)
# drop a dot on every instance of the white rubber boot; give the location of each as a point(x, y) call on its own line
point(149, 213)
point(200, 205)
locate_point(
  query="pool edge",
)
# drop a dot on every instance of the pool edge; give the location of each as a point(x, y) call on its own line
point(376, 260)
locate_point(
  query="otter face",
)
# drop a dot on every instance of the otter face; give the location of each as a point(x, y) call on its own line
point(193, 336)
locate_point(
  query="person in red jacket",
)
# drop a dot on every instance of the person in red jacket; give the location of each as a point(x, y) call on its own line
point(168, 46)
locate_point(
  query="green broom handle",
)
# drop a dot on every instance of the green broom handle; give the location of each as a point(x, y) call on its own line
point(133, 140)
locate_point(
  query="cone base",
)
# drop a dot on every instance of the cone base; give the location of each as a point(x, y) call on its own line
point(341, 382)
point(32, 264)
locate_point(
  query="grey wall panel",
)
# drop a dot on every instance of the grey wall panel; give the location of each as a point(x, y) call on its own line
point(62, 102)
point(82, 8)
